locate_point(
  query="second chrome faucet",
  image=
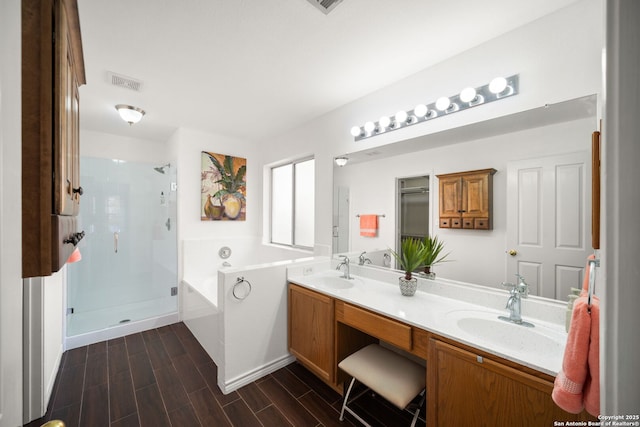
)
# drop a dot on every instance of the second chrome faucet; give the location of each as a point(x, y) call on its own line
point(517, 291)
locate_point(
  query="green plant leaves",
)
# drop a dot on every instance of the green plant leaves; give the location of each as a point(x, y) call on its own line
point(416, 253)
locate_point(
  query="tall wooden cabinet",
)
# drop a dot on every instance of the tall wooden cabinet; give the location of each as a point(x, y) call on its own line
point(466, 199)
point(52, 71)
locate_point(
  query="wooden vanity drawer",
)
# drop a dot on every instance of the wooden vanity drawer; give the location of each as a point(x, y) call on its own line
point(421, 343)
point(389, 330)
point(481, 223)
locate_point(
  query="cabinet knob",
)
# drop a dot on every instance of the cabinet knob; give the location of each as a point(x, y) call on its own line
point(78, 190)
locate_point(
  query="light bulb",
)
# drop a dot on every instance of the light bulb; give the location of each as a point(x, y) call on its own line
point(498, 85)
point(369, 127)
point(443, 103)
point(384, 122)
point(421, 110)
point(401, 117)
point(341, 161)
point(468, 94)
point(130, 114)
point(356, 131)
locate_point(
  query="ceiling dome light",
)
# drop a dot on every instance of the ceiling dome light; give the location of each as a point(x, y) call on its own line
point(401, 117)
point(341, 160)
point(498, 85)
point(129, 113)
point(443, 103)
point(384, 122)
point(369, 127)
point(421, 110)
point(468, 94)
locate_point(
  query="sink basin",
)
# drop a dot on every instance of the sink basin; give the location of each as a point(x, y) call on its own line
point(500, 334)
point(337, 282)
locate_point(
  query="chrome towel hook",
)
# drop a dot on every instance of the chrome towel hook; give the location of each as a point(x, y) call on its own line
point(593, 263)
point(239, 295)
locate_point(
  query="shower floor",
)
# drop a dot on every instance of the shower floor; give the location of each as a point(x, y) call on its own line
point(84, 322)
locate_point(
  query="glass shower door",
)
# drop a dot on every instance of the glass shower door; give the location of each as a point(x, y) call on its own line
point(129, 253)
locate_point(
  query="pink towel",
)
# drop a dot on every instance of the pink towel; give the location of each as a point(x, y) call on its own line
point(75, 256)
point(577, 385)
point(369, 225)
point(592, 386)
point(569, 384)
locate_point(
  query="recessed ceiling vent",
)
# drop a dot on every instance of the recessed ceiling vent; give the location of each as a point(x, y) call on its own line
point(124, 81)
point(325, 6)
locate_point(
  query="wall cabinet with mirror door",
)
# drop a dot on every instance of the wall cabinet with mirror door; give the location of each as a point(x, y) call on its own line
point(52, 71)
point(466, 199)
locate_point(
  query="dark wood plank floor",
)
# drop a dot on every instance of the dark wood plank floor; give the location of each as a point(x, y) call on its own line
point(163, 377)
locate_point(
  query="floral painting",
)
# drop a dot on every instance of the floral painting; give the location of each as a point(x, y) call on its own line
point(223, 187)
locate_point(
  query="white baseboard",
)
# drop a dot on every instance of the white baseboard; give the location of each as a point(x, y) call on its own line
point(249, 377)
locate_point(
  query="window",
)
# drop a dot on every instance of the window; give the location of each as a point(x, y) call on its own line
point(292, 203)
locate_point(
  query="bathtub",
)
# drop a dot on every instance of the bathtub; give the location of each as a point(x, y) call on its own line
point(236, 306)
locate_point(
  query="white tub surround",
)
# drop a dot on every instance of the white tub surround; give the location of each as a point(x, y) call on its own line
point(438, 306)
point(246, 334)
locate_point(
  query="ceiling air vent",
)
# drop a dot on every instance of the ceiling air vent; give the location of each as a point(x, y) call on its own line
point(325, 6)
point(124, 81)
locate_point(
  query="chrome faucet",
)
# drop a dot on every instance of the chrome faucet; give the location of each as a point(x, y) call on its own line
point(362, 260)
point(345, 263)
point(514, 303)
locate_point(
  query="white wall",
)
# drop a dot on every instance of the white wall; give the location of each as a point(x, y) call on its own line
point(188, 145)
point(104, 145)
point(477, 256)
point(44, 332)
point(619, 339)
point(53, 328)
point(10, 217)
point(557, 57)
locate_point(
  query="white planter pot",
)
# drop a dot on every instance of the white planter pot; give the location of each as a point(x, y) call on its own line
point(408, 287)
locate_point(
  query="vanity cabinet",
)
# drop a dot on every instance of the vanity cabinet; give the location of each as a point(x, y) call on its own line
point(52, 71)
point(465, 385)
point(468, 388)
point(466, 199)
point(311, 331)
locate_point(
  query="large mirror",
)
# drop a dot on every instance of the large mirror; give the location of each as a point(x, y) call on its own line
point(541, 203)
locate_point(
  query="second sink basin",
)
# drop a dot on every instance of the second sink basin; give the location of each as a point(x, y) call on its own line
point(500, 334)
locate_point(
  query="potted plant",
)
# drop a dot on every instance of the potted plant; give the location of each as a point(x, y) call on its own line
point(433, 254)
point(412, 256)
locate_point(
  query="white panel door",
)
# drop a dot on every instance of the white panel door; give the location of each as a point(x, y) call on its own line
point(549, 222)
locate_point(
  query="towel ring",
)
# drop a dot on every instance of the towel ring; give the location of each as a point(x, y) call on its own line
point(240, 280)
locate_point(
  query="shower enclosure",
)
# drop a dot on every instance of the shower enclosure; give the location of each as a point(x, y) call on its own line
point(128, 270)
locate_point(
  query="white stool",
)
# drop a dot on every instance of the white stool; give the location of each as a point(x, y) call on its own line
point(394, 377)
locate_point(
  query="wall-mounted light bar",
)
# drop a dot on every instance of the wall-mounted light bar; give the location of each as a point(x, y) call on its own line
point(498, 88)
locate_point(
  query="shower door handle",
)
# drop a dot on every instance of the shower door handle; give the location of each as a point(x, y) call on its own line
point(115, 241)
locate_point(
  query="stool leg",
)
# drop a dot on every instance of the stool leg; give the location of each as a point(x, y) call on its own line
point(346, 398)
point(415, 416)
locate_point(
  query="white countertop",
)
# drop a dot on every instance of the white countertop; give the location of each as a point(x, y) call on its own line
point(440, 315)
